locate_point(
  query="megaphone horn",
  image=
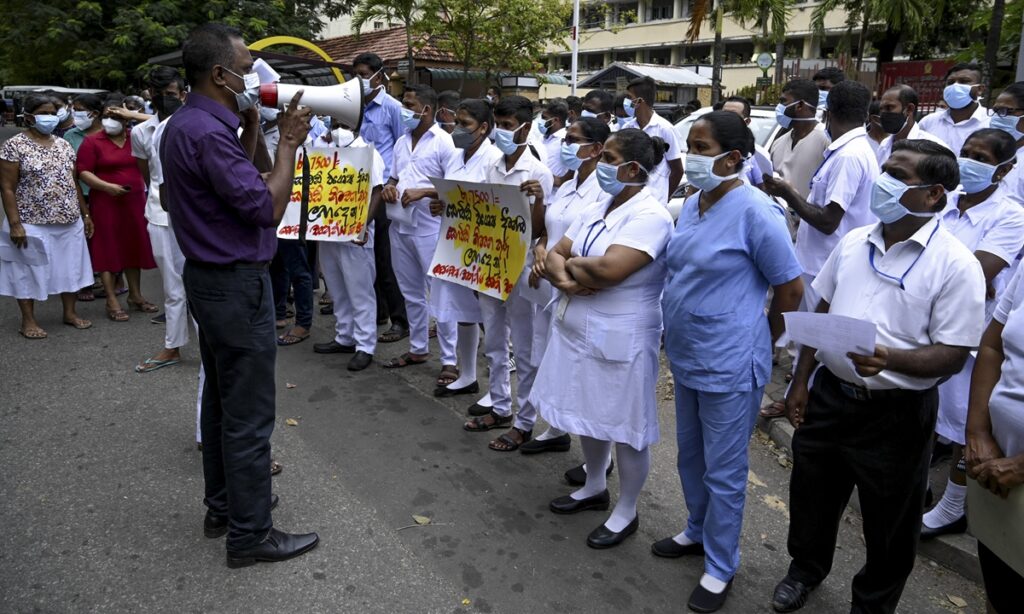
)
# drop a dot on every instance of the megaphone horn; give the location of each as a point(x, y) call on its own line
point(343, 102)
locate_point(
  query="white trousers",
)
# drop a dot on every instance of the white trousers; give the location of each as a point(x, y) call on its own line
point(410, 259)
point(349, 271)
point(171, 262)
point(514, 318)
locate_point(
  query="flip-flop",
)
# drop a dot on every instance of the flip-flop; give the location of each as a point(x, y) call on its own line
point(118, 315)
point(290, 339)
point(776, 409)
point(144, 307)
point(151, 364)
point(36, 333)
point(405, 360)
point(79, 323)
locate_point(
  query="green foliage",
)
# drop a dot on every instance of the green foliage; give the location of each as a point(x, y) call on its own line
point(106, 43)
point(1009, 35)
point(753, 93)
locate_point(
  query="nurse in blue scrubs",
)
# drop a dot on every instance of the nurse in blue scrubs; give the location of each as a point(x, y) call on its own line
point(730, 244)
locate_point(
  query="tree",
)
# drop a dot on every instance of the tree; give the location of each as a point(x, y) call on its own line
point(902, 18)
point(404, 12)
point(765, 14)
point(700, 10)
point(106, 43)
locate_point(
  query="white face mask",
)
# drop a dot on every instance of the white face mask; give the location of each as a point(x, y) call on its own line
point(112, 126)
point(83, 120)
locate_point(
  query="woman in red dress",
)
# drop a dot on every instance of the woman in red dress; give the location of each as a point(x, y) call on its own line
point(117, 202)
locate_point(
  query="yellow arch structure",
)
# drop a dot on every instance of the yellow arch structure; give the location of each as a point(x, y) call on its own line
point(271, 41)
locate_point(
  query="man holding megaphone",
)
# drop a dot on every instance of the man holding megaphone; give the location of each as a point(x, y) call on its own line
point(225, 216)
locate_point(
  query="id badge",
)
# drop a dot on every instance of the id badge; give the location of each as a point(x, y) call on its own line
point(563, 304)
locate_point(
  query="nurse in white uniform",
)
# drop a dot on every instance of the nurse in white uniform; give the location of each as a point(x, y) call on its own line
point(599, 372)
point(991, 225)
point(450, 302)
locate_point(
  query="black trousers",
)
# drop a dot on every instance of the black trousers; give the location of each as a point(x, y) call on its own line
point(390, 302)
point(882, 446)
point(235, 312)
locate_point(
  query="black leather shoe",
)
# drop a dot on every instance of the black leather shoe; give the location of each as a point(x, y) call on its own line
point(577, 476)
point(568, 505)
point(477, 409)
point(790, 595)
point(957, 526)
point(333, 347)
point(327, 309)
point(703, 600)
point(443, 392)
point(215, 526)
point(602, 537)
point(555, 444)
point(276, 546)
point(669, 548)
point(360, 361)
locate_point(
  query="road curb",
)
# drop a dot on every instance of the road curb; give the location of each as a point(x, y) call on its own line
point(958, 553)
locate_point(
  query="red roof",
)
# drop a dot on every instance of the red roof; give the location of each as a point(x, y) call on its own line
point(388, 44)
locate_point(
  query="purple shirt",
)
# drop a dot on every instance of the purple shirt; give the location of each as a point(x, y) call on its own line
point(220, 208)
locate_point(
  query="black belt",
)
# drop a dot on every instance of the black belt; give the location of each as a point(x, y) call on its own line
point(230, 266)
point(861, 393)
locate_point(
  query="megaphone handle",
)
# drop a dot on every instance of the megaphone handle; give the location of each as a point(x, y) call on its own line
point(304, 203)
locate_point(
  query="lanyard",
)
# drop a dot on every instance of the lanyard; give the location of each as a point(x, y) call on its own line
point(587, 242)
point(828, 154)
point(899, 280)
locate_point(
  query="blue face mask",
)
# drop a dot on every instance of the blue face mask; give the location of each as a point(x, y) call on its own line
point(975, 176)
point(568, 156)
point(608, 178)
point(1007, 124)
point(822, 99)
point(45, 124)
point(62, 114)
point(885, 199)
point(700, 171)
point(410, 120)
point(544, 126)
point(780, 114)
point(957, 95)
point(621, 122)
point(587, 113)
point(505, 140)
point(629, 107)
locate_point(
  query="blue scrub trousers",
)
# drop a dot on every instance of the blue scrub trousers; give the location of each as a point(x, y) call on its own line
point(713, 432)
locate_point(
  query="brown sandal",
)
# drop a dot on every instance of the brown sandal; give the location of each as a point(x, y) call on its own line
point(449, 375)
point(773, 410)
point(505, 442)
point(117, 315)
point(144, 306)
point(405, 360)
point(481, 424)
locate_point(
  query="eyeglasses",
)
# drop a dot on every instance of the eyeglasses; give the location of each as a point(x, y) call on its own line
point(1004, 111)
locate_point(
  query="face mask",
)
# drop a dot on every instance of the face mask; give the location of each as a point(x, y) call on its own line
point(367, 88)
point(957, 95)
point(1007, 124)
point(544, 126)
point(438, 119)
point(463, 138)
point(269, 114)
point(822, 99)
point(505, 140)
point(490, 99)
point(62, 114)
point(587, 113)
point(168, 104)
point(45, 124)
point(780, 114)
point(342, 137)
point(247, 98)
point(700, 171)
point(608, 178)
point(568, 155)
point(82, 120)
point(112, 126)
point(885, 199)
point(892, 122)
point(975, 176)
point(410, 120)
point(629, 107)
point(621, 122)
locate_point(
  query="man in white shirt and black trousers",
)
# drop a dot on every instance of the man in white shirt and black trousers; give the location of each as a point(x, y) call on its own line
point(868, 420)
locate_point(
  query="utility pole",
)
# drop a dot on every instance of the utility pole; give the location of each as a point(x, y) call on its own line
point(575, 43)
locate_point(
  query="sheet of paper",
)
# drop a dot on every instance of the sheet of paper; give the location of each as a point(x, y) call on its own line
point(32, 254)
point(831, 333)
point(996, 522)
point(397, 213)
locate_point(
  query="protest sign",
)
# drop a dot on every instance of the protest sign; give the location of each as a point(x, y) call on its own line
point(485, 234)
point(339, 195)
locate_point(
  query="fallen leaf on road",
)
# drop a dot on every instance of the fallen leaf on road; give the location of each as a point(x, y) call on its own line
point(291, 422)
point(776, 504)
point(466, 602)
point(959, 602)
point(421, 519)
point(289, 386)
point(753, 479)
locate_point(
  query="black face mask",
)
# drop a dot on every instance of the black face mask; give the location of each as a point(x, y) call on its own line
point(892, 122)
point(167, 105)
point(463, 138)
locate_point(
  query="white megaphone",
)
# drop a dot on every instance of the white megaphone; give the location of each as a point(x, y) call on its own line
point(343, 102)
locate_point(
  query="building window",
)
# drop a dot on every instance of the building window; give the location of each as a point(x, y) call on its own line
point(660, 9)
point(592, 61)
point(660, 56)
point(591, 17)
point(625, 13)
point(625, 56)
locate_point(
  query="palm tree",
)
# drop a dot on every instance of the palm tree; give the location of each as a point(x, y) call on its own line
point(404, 12)
point(902, 17)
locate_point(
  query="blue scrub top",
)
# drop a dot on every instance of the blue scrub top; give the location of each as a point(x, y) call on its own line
point(719, 268)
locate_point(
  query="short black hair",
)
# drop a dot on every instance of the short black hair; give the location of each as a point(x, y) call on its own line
point(558, 109)
point(479, 110)
point(644, 87)
point(518, 107)
point(207, 46)
point(603, 98)
point(730, 131)
point(619, 102)
point(803, 89)
point(848, 102)
point(449, 99)
point(35, 100)
point(91, 102)
point(575, 104)
point(905, 93)
point(939, 165)
point(594, 129)
point(972, 66)
point(1004, 148)
point(874, 107)
point(1017, 91)
point(425, 94)
point(831, 74)
point(740, 99)
point(372, 60)
point(638, 146)
point(495, 89)
point(113, 100)
point(161, 77)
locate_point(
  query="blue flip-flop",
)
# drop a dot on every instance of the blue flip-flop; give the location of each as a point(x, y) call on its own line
point(152, 365)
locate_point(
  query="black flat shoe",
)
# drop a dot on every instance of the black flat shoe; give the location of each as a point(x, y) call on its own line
point(790, 595)
point(443, 392)
point(360, 361)
point(276, 546)
point(577, 476)
point(327, 309)
point(602, 537)
point(568, 505)
point(333, 347)
point(215, 526)
point(957, 526)
point(477, 409)
point(703, 600)
point(555, 444)
point(669, 548)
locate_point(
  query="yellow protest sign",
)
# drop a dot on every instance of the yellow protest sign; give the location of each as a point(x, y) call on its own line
point(484, 237)
point(339, 195)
